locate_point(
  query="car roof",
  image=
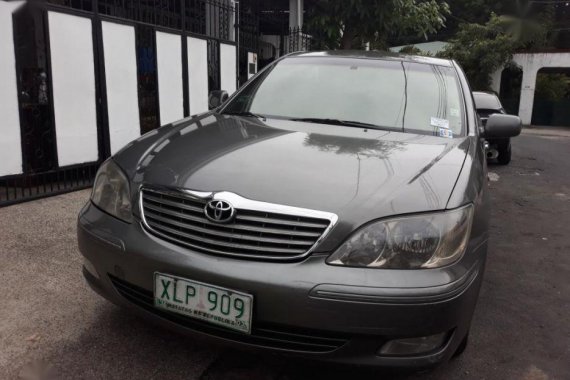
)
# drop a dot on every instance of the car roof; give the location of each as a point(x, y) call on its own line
point(374, 54)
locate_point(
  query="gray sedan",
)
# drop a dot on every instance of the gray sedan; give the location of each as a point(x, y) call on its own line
point(334, 208)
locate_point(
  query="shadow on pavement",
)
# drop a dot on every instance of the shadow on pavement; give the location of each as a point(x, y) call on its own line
point(242, 365)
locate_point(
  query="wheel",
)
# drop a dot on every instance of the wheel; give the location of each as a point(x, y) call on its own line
point(462, 346)
point(504, 154)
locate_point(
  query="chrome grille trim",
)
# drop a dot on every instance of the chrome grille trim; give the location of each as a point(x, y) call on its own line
point(260, 230)
point(276, 221)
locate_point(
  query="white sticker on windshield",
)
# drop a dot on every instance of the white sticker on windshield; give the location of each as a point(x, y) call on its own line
point(444, 132)
point(441, 123)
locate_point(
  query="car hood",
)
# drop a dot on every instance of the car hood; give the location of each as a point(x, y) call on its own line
point(358, 174)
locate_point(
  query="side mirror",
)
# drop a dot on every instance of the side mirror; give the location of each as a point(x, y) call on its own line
point(502, 126)
point(217, 98)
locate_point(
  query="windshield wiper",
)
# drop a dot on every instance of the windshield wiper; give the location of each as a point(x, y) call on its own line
point(246, 114)
point(346, 123)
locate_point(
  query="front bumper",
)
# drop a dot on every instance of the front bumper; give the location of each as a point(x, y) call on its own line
point(305, 308)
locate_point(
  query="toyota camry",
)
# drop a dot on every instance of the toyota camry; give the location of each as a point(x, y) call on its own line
point(335, 207)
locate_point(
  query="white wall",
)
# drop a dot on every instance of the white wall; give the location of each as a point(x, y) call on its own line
point(433, 47)
point(198, 75)
point(530, 64)
point(73, 78)
point(228, 74)
point(10, 144)
point(121, 82)
point(169, 69)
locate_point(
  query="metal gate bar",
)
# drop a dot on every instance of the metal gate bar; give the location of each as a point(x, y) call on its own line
point(208, 19)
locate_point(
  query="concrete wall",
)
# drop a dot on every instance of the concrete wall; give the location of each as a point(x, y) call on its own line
point(432, 47)
point(530, 64)
point(267, 40)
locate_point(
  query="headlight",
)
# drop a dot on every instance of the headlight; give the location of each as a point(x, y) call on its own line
point(111, 192)
point(410, 242)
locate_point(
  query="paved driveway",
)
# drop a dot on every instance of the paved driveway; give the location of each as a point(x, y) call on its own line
point(521, 328)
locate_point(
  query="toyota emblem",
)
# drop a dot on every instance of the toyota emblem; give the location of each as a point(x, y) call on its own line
point(219, 211)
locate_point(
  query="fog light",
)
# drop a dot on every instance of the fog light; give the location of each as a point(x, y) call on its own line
point(413, 346)
point(90, 268)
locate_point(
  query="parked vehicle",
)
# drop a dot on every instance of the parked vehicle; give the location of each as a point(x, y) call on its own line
point(335, 208)
point(487, 104)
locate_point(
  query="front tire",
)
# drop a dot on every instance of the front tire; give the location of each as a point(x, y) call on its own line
point(504, 154)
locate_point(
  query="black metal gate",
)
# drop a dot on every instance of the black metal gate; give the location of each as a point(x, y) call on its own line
point(248, 27)
point(210, 19)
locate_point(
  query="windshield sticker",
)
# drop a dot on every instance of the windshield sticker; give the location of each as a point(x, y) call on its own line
point(444, 132)
point(441, 123)
point(454, 111)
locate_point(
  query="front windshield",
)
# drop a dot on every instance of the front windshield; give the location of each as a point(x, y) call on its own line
point(387, 94)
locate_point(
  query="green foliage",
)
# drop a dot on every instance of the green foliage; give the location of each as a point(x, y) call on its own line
point(461, 12)
point(526, 18)
point(483, 49)
point(525, 33)
point(411, 50)
point(477, 11)
point(480, 50)
point(348, 24)
point(552, 87)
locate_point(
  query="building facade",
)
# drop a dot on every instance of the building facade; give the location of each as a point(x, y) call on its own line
point(530, 64)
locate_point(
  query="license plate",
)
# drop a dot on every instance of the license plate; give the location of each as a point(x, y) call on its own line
point(221, 306)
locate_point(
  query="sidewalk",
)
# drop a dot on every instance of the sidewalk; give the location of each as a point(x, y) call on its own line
point(537, 130)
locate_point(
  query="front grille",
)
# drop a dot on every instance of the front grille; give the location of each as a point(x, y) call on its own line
point(270, 336)
point(254, 233)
